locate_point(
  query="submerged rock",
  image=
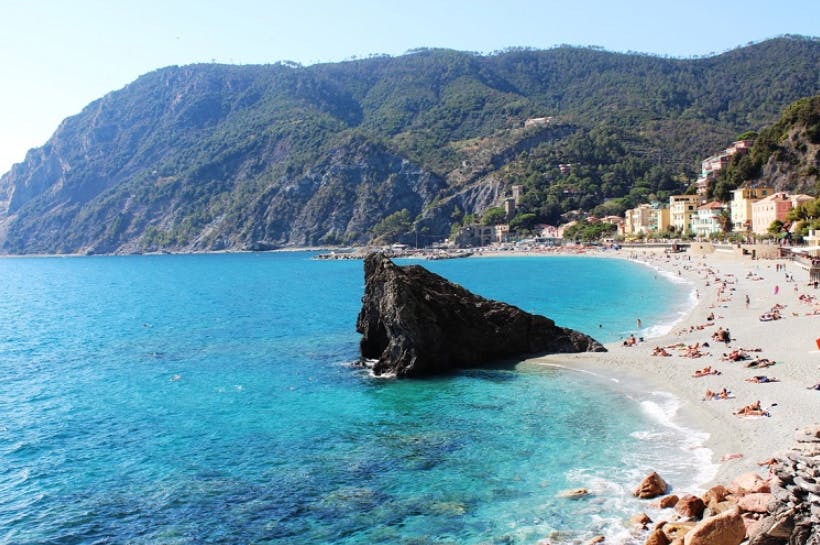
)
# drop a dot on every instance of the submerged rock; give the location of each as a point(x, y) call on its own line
point(416, 323)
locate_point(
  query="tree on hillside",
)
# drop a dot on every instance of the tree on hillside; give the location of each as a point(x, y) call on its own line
point(391, 228)
point(494, 216)
point(583, 231)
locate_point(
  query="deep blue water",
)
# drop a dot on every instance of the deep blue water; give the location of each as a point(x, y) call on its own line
point(210, 399)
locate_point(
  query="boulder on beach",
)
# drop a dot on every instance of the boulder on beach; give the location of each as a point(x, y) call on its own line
point(724, 529)
point(414, 323)
point(747, 483)
point(690, 507)
point(756, 502)
point(651, 486)
point(715, 495)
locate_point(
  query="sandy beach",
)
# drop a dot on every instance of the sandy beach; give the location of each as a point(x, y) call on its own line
point(723, 281)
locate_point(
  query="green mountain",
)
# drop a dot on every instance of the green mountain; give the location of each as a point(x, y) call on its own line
point(209, 157)
point(785, 155)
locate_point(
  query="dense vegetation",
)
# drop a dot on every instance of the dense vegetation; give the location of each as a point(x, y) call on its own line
point(212, 156)
point(806, 216)
point(793, 140)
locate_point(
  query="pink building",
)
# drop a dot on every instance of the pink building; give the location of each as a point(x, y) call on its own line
point(774, 207)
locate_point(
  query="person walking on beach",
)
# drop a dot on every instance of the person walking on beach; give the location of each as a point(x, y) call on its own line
point(777, 289)
point(747, 300)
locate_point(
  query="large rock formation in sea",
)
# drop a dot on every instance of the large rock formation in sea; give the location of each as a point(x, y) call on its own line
point(416, 323)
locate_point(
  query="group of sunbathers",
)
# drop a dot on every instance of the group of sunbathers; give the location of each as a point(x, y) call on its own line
point(773, 314)
point(723, 394)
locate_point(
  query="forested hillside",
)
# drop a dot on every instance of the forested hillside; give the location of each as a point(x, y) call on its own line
point(208, 157)
point(785, 155)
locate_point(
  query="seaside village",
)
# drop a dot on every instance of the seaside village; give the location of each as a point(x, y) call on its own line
point(752, 210)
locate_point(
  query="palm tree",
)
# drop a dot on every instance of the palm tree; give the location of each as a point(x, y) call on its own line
point(724, 219)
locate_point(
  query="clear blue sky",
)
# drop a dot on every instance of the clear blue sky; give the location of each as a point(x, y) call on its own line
point(58, 55)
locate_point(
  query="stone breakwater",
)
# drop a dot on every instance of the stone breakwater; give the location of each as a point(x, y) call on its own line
point(782, 508)
point(794, 513)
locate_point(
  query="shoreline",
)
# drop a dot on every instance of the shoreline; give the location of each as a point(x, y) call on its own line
point(737, 444)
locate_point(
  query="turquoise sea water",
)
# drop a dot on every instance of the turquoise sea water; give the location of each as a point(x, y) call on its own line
point(210, 399)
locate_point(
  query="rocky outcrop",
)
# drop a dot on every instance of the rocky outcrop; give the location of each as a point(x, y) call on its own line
point(781, 509)
point(416, 323)
point(793, 514)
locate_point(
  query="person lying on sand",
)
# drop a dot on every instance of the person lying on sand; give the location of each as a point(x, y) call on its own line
point(760, 363)
point(752, 409)
point(705, 372)
point(735, 355)
point(731, 456)
point(773, 314)
point(694, 351)
point(660, 351)
point(723, 394)
point(815, 387)
point(761, 379)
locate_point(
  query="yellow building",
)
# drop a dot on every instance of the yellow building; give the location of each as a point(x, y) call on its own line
point(637, 221)
point(681, 210)
point(660, 221)
point(645, 219)
point(741, 206)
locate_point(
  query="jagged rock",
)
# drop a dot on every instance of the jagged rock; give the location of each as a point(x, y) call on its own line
point(804, 484)
point(752, 522)
point(724, 529)
point(651, 486)
point(774, 530)
point(416, 323)
point(690, 507)
point(641, 519)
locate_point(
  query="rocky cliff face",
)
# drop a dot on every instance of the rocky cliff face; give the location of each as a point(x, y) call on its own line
point(795, 167)
point(416, 323)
